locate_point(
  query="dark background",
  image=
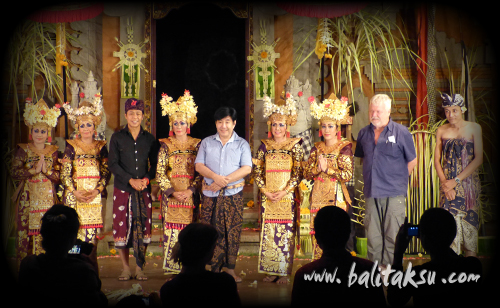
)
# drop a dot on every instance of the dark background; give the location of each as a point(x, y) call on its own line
point(201, 48)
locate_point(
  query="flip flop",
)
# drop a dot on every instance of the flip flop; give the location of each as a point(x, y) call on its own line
point(125, 275)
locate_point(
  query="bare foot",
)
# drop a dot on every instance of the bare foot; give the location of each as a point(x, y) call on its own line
point(283, 280)
point(232, 273)
point(270, 278)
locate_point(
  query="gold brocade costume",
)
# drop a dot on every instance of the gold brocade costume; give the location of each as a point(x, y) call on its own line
point(329, 188)
point(176, 172)
point(36, 193)
point(277, 167)
point(85, 167)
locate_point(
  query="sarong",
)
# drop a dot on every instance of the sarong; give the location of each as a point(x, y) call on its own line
point(132, 222)
point(225, 213)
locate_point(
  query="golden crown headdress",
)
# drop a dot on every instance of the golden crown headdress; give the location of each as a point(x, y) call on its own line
point(92, 110)
point(184, 108)
point(40, 113)
point(286, 111)
point(333, 109)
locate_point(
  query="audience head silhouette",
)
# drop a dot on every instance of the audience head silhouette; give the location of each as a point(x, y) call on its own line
point(195, 245)
point(59, 229)
point(332, 227)
point(437, 229)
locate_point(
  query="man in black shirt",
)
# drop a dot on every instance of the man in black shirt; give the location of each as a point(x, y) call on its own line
point(130, 149)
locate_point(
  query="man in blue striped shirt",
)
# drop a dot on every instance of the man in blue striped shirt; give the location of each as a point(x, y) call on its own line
point(224, 159)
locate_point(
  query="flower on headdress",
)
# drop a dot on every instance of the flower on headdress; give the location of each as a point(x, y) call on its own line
point(344, 99)
point(57, 106)
point(28, 99)
point(287, 95)
point(327, 105)
point(164, 95)
point(42, 112)
point(185, 105)
point(311, 99)
point(133, 103)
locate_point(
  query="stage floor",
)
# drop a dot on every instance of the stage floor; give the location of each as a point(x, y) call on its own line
point(251, 294)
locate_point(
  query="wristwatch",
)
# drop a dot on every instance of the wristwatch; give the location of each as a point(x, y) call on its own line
point(457, 180)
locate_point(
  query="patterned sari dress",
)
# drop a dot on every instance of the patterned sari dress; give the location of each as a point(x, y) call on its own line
point(278, 167)
point(457, 155)
point(329, 188)
point(85, 167)
point(175, 172)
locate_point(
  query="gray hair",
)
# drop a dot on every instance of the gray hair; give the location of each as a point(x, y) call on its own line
point(379, 99)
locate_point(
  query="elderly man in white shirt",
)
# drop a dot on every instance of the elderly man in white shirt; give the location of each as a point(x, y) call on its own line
point(224, 159)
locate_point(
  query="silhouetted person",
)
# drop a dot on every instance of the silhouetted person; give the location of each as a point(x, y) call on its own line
point(194, 286)
point(310, 288)
point(56, 277)
point(437, 231)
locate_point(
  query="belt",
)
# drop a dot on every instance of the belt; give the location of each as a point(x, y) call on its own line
point(205, 186)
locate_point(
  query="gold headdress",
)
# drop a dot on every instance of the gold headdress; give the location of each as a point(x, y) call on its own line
point(184, 108)
point(40, 113)
point(331, 109)
point(283, 111)
point(89, 111)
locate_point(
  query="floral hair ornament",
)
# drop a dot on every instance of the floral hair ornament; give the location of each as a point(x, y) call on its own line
point(331, 109)
point(454, 100)
point(89, 111)
point(40, 113)
point(283, 111)
point(184, 108)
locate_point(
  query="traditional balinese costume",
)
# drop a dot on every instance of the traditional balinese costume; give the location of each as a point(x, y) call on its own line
point(277, 167)
point(85, 167)
point(176, 172)
point(132, 158)
point(36, 192)
point(329, 187)
point(457, 154)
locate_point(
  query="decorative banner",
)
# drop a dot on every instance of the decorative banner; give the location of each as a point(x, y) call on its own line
point(130, 62)
point(263, 66)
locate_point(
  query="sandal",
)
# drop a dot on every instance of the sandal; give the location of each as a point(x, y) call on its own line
point(237, 279)
point(125, 275)
point(139, 275)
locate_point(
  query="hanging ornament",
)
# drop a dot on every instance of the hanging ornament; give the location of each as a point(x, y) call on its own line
point(130, 55)
point(263, 57)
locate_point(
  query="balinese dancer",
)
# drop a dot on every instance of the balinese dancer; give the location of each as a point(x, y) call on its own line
point(36, 166)
point(331, 162)
point(133, 154)
point(457, 157)
point(175, 174)
point(85, 173)
point(277, 172)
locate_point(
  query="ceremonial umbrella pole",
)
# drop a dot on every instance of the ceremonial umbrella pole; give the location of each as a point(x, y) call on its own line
point(61, 14)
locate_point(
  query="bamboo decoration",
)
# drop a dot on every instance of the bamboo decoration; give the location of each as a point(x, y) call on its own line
point(423, 186)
